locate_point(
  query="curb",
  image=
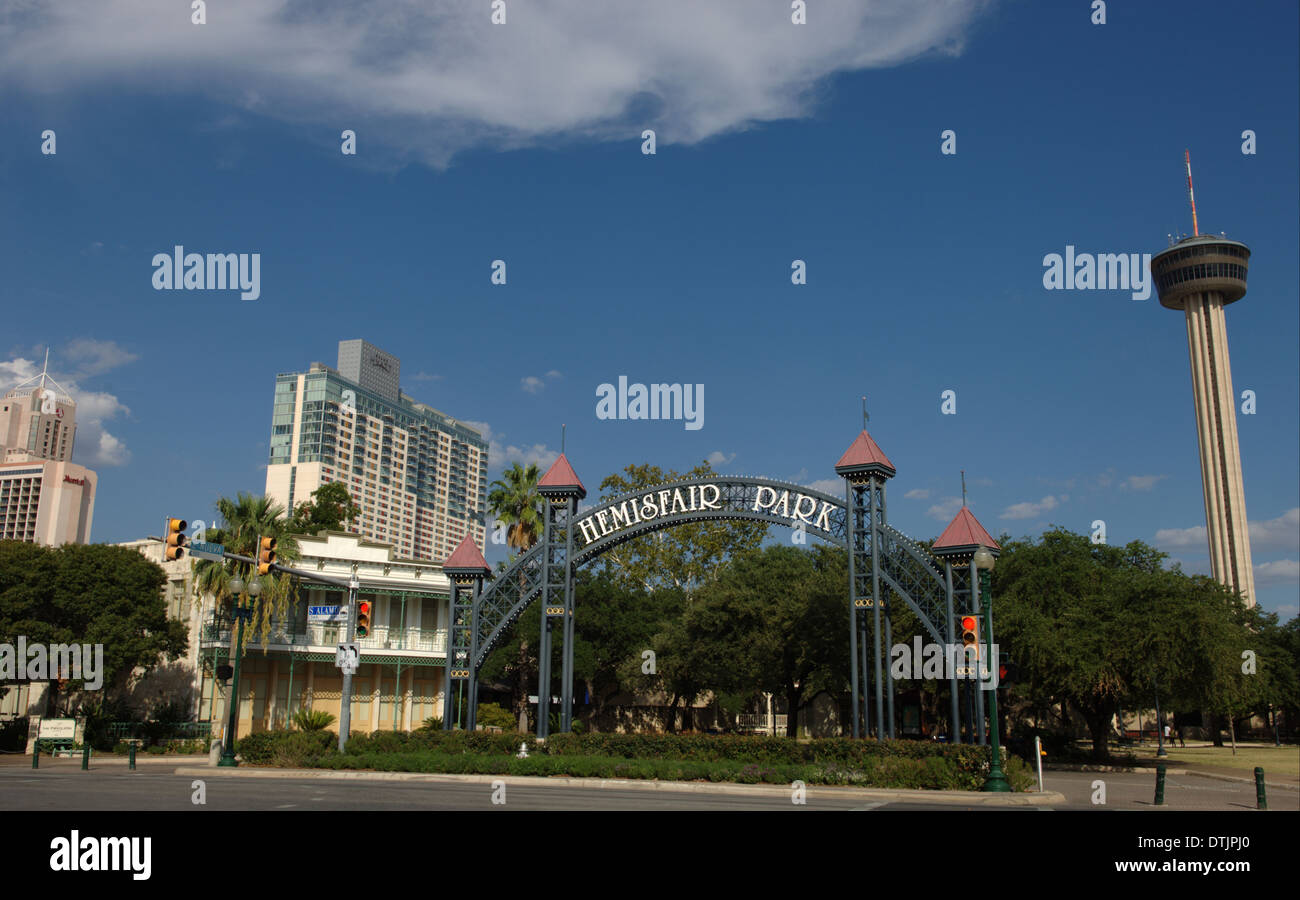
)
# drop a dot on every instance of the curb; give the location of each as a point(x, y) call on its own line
point(958, 798)
point(1150, 770)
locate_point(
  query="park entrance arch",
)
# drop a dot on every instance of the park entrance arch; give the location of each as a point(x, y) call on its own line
point(885, 566)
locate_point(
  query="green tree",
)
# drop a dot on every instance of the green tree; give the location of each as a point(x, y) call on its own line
point(772, 622)
point(246, 519)
point(683, 557)
point(330, 509)
point(1093, 626)
point(89, 594)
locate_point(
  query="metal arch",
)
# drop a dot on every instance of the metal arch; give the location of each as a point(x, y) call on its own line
point(915, 579)
point(513, 589)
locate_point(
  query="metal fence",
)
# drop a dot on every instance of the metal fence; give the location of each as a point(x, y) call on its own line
point(162, 731)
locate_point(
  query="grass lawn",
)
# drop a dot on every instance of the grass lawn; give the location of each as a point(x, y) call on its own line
point(1284, 760)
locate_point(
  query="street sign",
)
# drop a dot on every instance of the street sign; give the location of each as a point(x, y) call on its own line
point(348, 658)
point(327, 615)
point(207, 550)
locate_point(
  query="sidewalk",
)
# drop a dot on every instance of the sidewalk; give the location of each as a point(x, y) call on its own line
point(954, 798)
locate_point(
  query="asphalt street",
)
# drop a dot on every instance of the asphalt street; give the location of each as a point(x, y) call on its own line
point(61, 785)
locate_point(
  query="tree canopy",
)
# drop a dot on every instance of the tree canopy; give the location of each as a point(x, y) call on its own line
point(89, 594)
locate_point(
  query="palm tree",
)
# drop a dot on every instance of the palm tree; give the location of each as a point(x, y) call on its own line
point(247, 518)
point(515, 502)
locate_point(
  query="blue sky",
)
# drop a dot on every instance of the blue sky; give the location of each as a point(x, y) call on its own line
point(776, 142)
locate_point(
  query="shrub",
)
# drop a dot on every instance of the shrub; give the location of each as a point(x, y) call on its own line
point(313, 719)
point(285, 748)
point(492, 714)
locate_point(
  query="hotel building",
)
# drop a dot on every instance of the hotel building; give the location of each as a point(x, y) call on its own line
point(44, 497)
point(419, 476)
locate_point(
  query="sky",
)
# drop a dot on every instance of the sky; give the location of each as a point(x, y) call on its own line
point(774, 143)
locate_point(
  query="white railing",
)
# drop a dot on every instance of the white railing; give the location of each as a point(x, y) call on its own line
point(318, 635)
point(761, 722)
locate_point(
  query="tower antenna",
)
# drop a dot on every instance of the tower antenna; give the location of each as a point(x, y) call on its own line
point(1187, 159)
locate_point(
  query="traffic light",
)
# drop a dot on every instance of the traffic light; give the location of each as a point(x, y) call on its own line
point(265, 555)
point(363, 618)
point(1006, 674)
point(970, 633)
point(175, 540)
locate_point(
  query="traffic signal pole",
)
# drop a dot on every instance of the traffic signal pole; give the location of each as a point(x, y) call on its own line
point(345, 702)
point(353, 585)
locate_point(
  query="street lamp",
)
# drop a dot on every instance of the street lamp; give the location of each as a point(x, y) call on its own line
point(984, 561)
point(243, 612)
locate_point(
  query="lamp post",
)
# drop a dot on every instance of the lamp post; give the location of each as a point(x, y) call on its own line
point(996, 782)
point(1160, 722)
point(243, 612)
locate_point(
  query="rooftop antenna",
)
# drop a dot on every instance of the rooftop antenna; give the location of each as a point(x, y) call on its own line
point(46, 368)
point(865, 417)
point(1187, 158)
point(963, 488)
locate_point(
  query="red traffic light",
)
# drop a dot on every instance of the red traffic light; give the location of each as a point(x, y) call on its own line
point(968, 623)
point(363, 618)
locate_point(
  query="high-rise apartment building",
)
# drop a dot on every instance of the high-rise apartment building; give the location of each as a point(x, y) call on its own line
point(419, 476)
point(44, 497)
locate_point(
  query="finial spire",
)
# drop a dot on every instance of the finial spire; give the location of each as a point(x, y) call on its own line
point(865, 418)
point(46, 369)
point(963, 487)
point(562, 427)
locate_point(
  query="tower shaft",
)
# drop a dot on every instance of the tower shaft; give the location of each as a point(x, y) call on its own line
point(1216, 421)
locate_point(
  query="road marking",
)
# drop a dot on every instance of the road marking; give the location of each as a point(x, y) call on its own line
point(287, 806)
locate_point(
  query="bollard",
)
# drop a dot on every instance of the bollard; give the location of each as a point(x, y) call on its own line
point(1160, 785)
point(85, 757)
point(1261, 802)
point(131, 764)
point(36, 755)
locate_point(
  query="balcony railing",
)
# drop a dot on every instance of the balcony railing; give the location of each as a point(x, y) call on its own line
point(381, 638)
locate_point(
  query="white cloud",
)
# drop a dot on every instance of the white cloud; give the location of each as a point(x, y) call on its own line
point(917, 494)
point(945, 509)
point(1182, 538)
point(1030, 510)
point(832, 486)
point(500, 454)
point(1282, 571)
point(718, 458)
point(93, 445)
point(532, 384)
point(1269, 535)
point(425, 79)
point(1282, 533)
point(90, 357)
point(1142, 482)
point(554, 374)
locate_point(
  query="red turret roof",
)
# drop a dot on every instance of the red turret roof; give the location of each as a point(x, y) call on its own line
point(864, 452)
point(965, 531)
point(561, 475)
point(466, 556)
